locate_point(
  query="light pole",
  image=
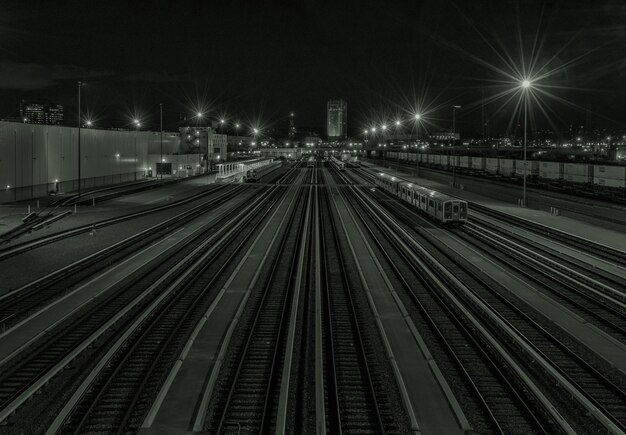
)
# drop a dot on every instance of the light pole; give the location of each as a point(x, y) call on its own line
point(525, 87)
point(161, 129)
point(80, 85)
point(454, 144)
point(383, 129)
point(137, 125)
point(418, 117)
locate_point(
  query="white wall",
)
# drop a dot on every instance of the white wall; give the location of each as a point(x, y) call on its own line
point(33, 156)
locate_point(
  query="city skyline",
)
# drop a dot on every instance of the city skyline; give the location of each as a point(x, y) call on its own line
point(422, 65)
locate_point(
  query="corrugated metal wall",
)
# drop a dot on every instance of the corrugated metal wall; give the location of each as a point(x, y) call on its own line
point(33, 157)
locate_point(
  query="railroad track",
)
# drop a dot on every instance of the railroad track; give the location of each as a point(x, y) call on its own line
point(23, 301)
point(19, 248)
point(246, 395)
point(77, 341)
point(600, 304)
point(354, 404)
point(548, 359)
point(493, 398)
point(584, 245)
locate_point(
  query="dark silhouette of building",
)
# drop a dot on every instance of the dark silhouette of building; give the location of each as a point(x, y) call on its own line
point(41, 112)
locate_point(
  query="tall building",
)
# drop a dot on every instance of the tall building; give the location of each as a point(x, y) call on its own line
point(337, 119)
point(41, 112)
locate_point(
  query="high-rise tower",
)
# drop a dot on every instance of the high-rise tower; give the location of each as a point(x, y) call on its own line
point(337, 119)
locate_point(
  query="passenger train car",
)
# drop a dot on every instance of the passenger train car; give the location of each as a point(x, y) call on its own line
point(251, 176)
point(438, 206)
point(339, 164)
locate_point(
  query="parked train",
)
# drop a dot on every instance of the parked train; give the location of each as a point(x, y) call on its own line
point(251, 176)
point(438, 206)
point(606, 179)
point(339, 164)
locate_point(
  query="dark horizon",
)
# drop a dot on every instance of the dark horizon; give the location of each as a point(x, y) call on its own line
point(256, 64)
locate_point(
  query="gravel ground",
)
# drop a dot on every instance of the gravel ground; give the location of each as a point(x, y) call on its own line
point(11, 215)
point(39, 262)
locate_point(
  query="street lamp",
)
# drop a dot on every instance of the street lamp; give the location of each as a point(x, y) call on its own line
point(89, 123)
point(80, 85)
point(525, 86)
point(454, 144)
point(418, 118)
point(383, 128)
point(137, 125)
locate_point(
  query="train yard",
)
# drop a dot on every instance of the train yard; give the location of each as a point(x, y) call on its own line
point(315, 299)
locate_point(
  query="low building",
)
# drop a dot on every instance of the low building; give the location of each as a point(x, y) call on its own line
point(204, 140)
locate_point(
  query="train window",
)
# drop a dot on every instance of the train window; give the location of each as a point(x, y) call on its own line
point(455, 208)
point(431, 203)
point(463, 209)
point(439, 206)
point(423, 199)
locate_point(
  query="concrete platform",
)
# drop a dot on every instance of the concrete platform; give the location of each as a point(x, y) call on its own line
point(435, 408)
point(613, 238)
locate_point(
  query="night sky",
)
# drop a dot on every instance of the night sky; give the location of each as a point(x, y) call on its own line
point(255, 62)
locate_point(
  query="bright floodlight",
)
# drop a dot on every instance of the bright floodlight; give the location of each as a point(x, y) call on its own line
point(525, 83)
point(136, 121)
point(256, 131)
point(384, 127)
point(199, 115)
point(398, 123)
point(418, 116)
point(366, 131)
point(89, 123)
point(236, 125)
point(222, 121)
point(373, 129)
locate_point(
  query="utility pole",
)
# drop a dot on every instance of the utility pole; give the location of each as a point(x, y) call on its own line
point(160, 165)
point(454, 144)
point(80, 84)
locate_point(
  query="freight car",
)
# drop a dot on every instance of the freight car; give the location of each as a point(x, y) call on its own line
point(608, 180)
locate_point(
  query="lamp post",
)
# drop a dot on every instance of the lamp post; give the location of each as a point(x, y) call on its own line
point(525, 86)
point(161, 129)
point(454, 144)
point(80, 85)
point(383, 129)
point(137, 125)
point(418, 117)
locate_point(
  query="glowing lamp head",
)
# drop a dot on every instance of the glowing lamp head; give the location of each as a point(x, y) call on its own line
point(526, 84)
point(199, 115)
point(383, 127)
point(89, 123)
point(418, 116)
